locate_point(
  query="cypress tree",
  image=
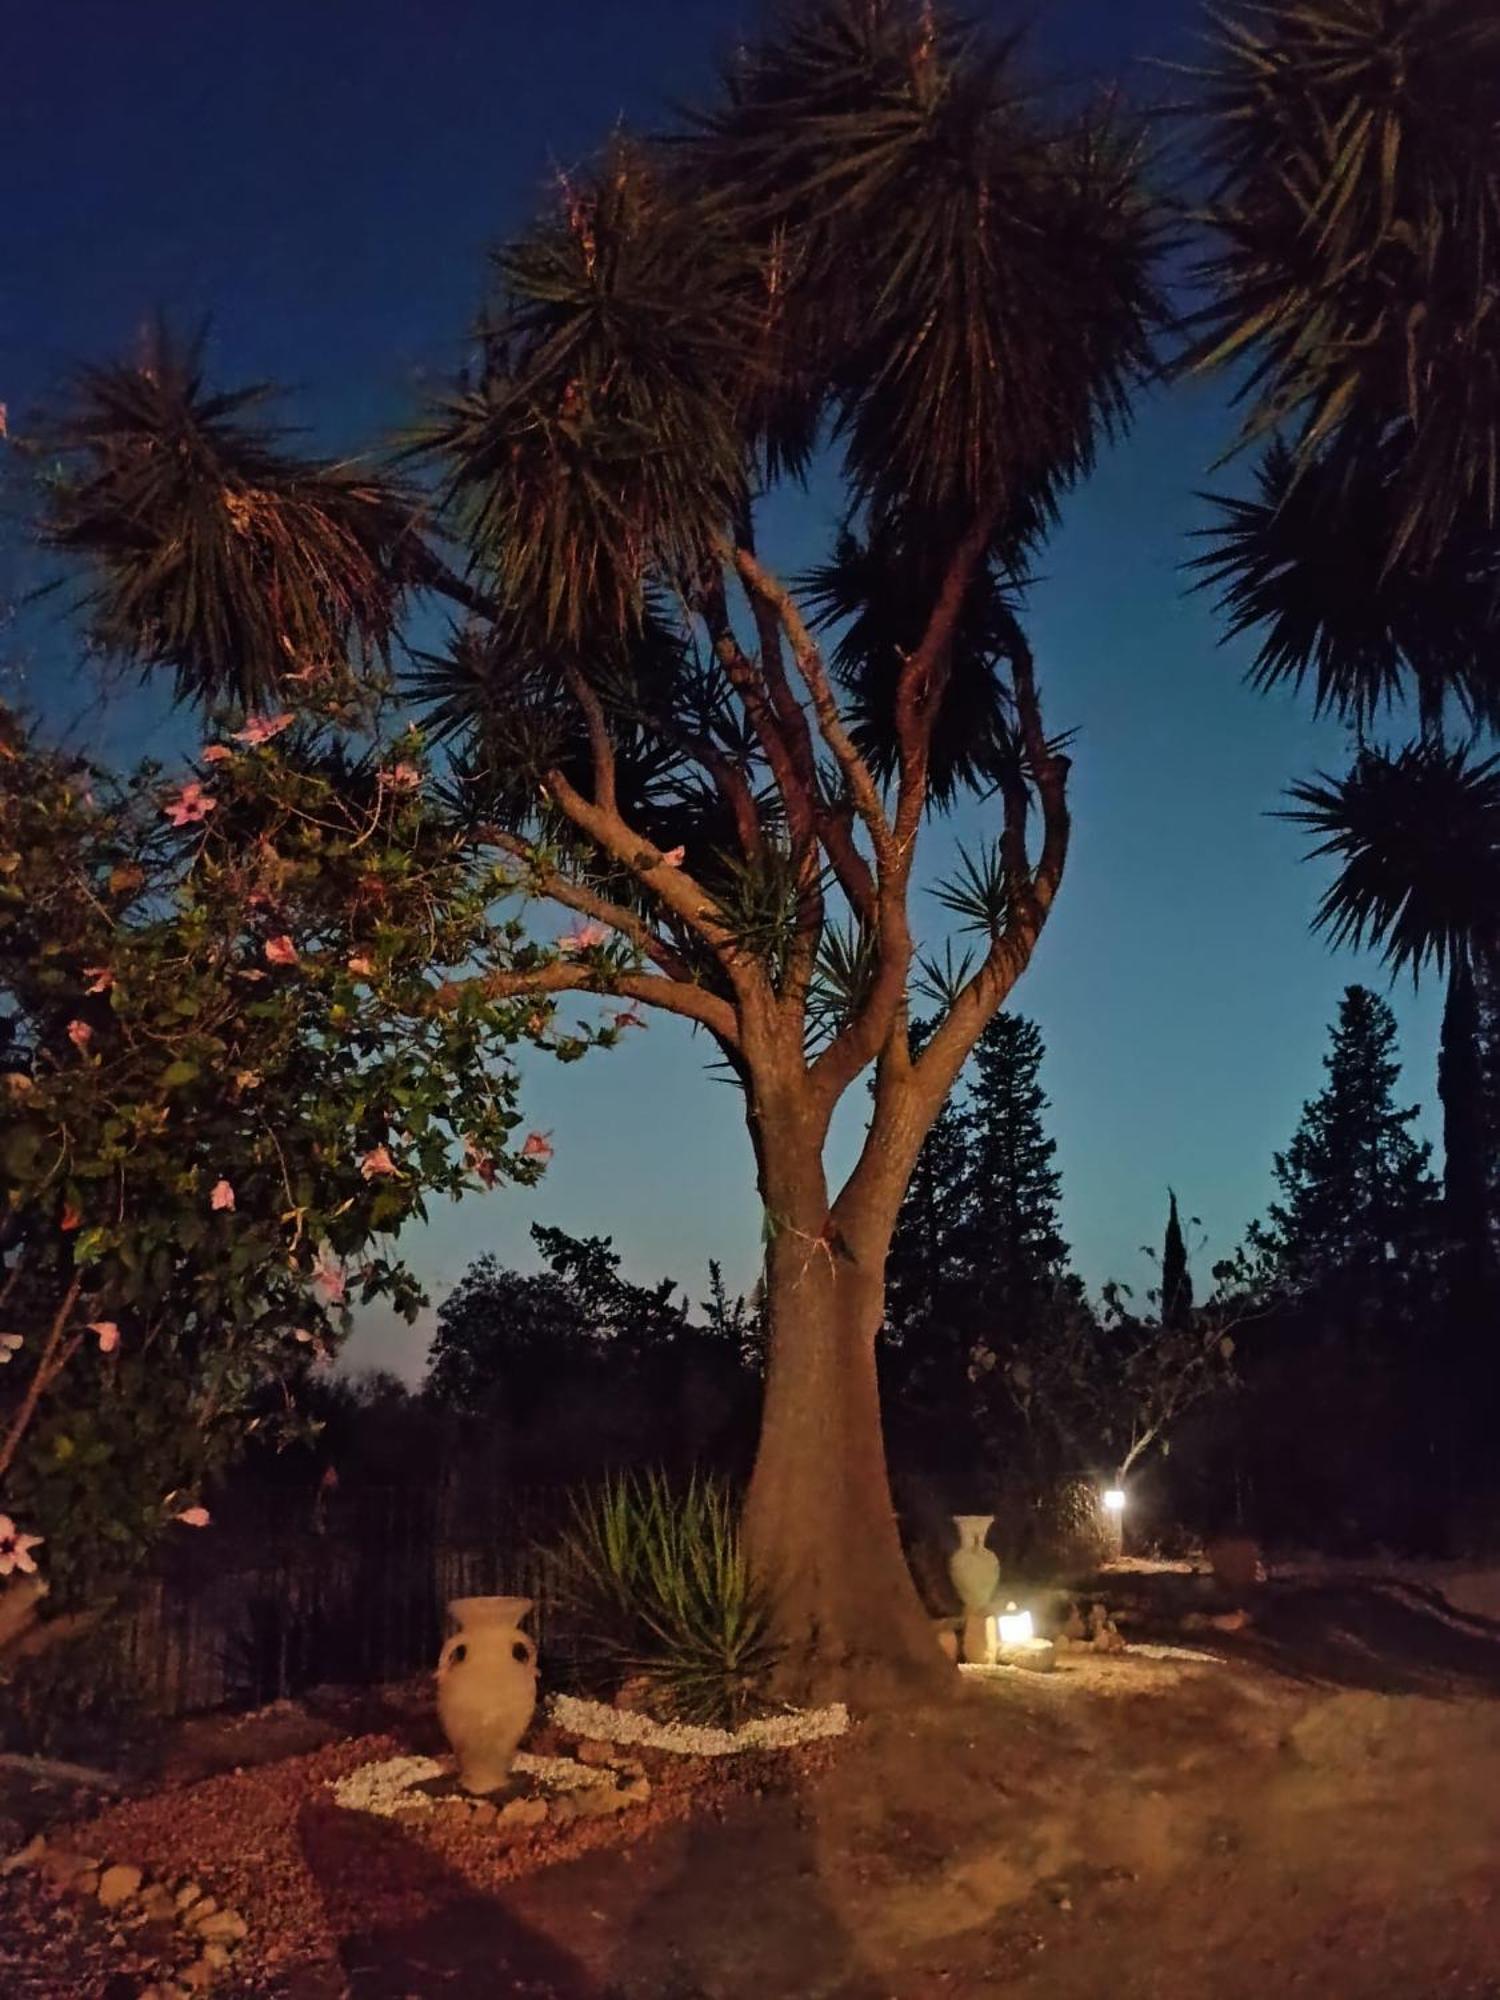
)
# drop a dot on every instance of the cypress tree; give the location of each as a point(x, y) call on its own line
point(1176, 1280)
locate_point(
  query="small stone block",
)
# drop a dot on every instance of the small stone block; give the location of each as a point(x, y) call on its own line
point(223, 1927)
point(187, 1894)
point(25, 1857)
point(118, 1884)
point(523, 1812)
point(977, 1649)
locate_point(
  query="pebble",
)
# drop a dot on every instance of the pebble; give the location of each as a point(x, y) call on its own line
point(118, 1884)
point(24, 1857)
point(223, 1926)
point(523, 1812)
point(158, 1904)
point(188, 1893)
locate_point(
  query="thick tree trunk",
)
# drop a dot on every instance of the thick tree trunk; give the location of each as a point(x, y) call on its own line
point(820, 1524)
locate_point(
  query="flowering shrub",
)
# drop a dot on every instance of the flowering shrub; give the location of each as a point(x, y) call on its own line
point(227, 1082)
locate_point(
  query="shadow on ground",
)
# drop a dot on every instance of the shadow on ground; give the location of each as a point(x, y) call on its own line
point(408, 1925)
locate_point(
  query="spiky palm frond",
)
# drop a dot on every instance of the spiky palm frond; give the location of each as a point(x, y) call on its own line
point(1416, 834)
point(939, 982)
point(878, 594)
point(599, 449)
point(847, 962)
point(974, 280)
point(1304, 564)
point(1354, 150)
point(215, 552)
point(979, 893)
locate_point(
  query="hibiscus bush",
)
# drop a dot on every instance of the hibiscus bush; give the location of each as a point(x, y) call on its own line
point(231, 1069)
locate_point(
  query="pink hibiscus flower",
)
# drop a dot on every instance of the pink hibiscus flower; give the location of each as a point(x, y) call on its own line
point(80, 1034)
point(362, 967)
point(100, 978)
point(629, 1019)
point(537, 1147)
point(108, 1334)
point(261, 728)
point(222, 1195)
point(329, 1280)
point(584, 937)
point(377, 1163)
point(215, 753)
point(402, 777)
point(281, 951)
point(190, 805)
point(15, 1548)
point(194, 1517)
point(479, 1162)
point(675, 856)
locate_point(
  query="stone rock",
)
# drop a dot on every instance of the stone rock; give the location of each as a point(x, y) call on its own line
point(63, 1865)
point(118, 1884)
point(635, 1787)
point(86, 1884)
point(222, 1927)
point(25, 1857)
point(592, 1751)
point(158, 1904)
point(187, 1894)
point(198, 1976)
point(482, 1813)
point(216, 1955)
point(1230, 1621)
point(204, 1907)
point(523, 1812)
point(1236, 1564)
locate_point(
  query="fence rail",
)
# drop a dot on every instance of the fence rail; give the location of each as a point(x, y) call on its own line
point(349, 1590)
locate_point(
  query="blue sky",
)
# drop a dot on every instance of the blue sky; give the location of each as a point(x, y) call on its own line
point(323, 180)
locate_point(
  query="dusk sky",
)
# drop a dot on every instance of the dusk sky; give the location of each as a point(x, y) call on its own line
point(322, 180)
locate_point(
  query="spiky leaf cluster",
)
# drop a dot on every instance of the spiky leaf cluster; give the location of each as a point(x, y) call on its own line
point(1416, 835)
point(1354, 151)
point(216, 551)
point(1302, 563)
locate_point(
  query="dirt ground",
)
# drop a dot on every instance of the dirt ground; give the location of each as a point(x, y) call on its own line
point(1316, 1811)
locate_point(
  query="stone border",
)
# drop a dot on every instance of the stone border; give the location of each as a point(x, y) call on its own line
point(563, 1789)
point(132, 1900)
point(606, 1724)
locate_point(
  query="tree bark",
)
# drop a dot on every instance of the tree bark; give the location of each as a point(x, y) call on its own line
point(820, 1524)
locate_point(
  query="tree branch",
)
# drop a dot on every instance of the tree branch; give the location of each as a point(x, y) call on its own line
point(672, 996)
point(557, 888)
point(57, 1350)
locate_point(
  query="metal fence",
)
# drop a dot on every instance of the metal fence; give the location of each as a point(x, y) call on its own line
point(347, 1589)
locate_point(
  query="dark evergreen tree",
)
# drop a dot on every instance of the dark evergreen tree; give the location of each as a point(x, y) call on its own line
point(1008, 1234)
point(1358, 1201)
point(1176, 1279)
point(977, 1249)
point(926, 1276)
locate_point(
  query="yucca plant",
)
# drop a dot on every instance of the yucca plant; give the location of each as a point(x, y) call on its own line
point(657, 1581)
